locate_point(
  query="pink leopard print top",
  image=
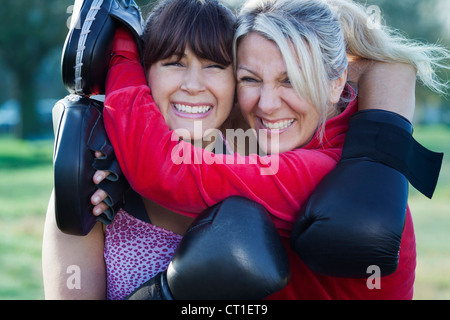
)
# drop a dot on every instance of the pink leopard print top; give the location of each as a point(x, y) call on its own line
point(135, 251)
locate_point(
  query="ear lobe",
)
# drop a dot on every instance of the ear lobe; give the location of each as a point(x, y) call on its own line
point(337, 86)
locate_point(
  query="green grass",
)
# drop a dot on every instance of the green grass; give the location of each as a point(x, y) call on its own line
point(432, 223)
point(26, 184)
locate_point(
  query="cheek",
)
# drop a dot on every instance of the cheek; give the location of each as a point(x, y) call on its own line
point(156, 87)
point(247, 98)
point(311, 119)
point(227, 95)
point(223, 88)
point(307, 127)
point(162, 86)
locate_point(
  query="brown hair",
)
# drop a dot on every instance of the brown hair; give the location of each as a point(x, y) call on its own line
point(205, 25)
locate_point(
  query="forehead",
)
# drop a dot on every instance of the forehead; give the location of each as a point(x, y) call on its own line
point(255, 53)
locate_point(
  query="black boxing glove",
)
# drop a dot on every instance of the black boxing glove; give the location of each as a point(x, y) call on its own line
point(87, 50)
point(355, 217)
point(231, 251)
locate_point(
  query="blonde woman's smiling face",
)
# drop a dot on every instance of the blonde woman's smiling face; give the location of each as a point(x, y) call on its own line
point(281, 118)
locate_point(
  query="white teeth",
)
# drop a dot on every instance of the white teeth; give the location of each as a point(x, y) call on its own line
point(280, 125)
point(189, 109)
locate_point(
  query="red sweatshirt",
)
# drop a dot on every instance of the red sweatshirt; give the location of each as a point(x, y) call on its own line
point(150, 156)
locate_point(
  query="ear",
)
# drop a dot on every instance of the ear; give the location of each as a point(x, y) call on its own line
point(337, 86)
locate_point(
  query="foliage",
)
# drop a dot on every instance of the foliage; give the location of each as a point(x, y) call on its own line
point(425, 21)
point(34, 28)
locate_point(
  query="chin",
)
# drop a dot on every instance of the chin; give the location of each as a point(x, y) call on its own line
point(270, 150)
point(267, 146)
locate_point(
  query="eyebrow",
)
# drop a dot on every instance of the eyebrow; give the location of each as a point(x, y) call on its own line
point(246, 69)
point(178, 55)
point(283, 75)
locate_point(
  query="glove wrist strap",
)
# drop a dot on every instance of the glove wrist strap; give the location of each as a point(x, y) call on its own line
point(384, 136)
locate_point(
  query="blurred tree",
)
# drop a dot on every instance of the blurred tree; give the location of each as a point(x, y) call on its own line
point(146, 6)
point(425, 21)
point(31, 29)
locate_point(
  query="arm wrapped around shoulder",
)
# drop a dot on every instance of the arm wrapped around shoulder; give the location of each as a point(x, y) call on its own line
point(231, 251)
point(355, 217)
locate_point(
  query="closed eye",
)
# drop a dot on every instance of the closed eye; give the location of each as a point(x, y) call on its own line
point(287, 82)
point(216, 66)
point(248, 79)
point(172, 64)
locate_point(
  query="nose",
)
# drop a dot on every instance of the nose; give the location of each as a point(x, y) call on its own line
point(193, 82)
point(269, 100)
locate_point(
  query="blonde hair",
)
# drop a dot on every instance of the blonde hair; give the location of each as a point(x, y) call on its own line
point(323, 32)
point(381, 43)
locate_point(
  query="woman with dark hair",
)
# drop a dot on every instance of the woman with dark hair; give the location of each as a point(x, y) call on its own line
point(187, 45)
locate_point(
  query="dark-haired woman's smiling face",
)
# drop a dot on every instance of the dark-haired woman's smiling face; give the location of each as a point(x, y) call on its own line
point(191, 92)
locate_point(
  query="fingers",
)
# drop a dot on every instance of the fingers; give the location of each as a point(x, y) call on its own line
point(98, 154)
point(99, 196)
point(97, 200)
point(100, 175)
point(99, 209)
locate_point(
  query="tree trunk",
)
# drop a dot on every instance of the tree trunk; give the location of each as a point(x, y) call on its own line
point(30, 124)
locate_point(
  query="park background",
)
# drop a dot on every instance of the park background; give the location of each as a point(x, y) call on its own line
point(31, 40)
